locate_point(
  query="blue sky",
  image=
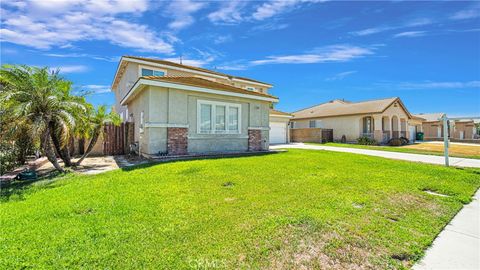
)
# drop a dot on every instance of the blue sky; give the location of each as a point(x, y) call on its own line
point(427, 53)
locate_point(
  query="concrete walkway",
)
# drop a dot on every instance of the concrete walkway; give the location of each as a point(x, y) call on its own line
point(440, 160)
point(458, 245)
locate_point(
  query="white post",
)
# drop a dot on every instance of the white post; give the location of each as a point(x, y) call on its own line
point(445, 138)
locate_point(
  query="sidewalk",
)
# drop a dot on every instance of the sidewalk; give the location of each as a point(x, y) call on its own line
point(458, 245)
point(440, 160)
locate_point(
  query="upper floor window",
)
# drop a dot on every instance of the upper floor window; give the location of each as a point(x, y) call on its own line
point(152, 72)
point(250, 88)
point(312, 124)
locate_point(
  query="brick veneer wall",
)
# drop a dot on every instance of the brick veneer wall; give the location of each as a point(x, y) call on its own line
point(254, 140)
point(177, 141)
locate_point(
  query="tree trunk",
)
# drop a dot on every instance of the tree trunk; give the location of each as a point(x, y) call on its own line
point(62, 152)
point(48, 150)
point(92, 143)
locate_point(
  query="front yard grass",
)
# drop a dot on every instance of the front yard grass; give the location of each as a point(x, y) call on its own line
point(311, 209)
point(455, 150)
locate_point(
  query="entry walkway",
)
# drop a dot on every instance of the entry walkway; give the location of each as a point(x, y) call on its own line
point(458, 245)
point(440, 160)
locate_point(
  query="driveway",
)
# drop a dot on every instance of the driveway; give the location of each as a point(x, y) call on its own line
point(439, 160)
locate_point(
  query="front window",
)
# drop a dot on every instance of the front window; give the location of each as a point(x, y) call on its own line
point(367, 124)
point(151, 72)
point(218, 117)
point(312, 124)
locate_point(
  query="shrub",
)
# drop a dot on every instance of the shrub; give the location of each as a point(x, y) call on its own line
point(398, 141)
point(364, 140)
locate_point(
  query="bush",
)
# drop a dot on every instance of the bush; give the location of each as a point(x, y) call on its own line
point(364, 140)
point(398, 141)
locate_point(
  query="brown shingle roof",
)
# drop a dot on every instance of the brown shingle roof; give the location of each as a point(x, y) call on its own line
point(275, 112)
point(164, 62)
point(199, 82)
point(341, 107)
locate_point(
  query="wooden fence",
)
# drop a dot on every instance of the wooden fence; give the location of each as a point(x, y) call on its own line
point(117, 139)
point(318, 135)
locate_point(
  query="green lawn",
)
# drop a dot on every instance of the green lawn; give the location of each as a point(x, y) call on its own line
point(316, 209)
point(463, 151)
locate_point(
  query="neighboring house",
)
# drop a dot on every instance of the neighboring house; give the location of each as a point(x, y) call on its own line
point(279, 131)
point(379, 119)
point(179, 109)
point(432, 126)
point(463, 129)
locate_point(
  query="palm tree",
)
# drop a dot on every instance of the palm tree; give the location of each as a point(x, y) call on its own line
point(94, 128)
point(36, 98)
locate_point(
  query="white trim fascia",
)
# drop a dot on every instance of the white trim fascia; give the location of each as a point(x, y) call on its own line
point(281, 115)
point(192, 88)
point(251, 82)
point(172, 67)
point(164, 125)
point(259, 128)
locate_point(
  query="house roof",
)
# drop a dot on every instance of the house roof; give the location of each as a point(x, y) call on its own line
point(339, 107)
point(196, 82)
point(429, 117)
point(169, 63)
point(276, 112)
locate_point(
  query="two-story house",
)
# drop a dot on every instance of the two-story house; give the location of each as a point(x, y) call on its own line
point(179, 109)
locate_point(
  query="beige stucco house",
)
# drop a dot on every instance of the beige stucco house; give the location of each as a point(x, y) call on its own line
point(180, 109)
point(459, 129)
point(380, 119)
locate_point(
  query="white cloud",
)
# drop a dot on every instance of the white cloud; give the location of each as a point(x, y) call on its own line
point(274, 7)
point(222, 39)
point(181, 11)
point(59, 23)
point(270, 27)
point(470, 13)
point(439, 85)
point(335, 53)
point(341, 75)
point(379, 29)
point(70, 69)
point(189, 62)
point(373, 30)
point(410, 34)
point(83, 55)
point(228, 13)
point(96, 88)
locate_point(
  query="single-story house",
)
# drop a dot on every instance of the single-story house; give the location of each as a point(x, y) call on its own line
point(179, 109)
point(380, 119)
point(459, 129)
point(432, 126)
point(279, 131)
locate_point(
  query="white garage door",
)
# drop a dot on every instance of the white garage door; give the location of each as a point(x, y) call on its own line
point(278, 132)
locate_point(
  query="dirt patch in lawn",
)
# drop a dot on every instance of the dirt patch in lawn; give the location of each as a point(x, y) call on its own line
point(459, 149)
point(306, 247)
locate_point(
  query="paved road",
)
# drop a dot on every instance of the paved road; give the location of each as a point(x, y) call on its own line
point(458, 162)
point(458, 245)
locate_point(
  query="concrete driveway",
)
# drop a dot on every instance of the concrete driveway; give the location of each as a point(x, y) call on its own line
point(439, 160)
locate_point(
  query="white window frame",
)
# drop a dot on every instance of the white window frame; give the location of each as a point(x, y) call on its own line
point(250, 88)
point(151, 68)
point(213, 117)
point(314, 124)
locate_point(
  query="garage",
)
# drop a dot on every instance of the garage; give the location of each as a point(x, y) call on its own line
point(279, 126)
point(278, 132)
